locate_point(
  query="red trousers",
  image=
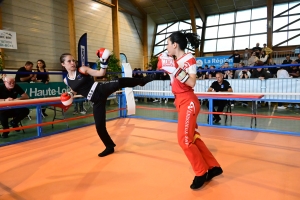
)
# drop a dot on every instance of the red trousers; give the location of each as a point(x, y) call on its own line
point(201, 159)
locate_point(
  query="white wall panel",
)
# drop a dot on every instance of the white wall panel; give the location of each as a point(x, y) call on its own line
point(130, 42)
point(96, 20)
point(151, 33)
point(42, 31)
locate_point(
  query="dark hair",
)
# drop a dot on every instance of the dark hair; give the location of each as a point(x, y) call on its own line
point(62, 57)
point(28, 63)
point(44, 64)
point(182, 39)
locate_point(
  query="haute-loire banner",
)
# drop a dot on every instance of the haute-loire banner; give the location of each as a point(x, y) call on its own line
point(8, 39)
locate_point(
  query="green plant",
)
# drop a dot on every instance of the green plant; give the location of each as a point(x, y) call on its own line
point(153, 62)
point(113, 66)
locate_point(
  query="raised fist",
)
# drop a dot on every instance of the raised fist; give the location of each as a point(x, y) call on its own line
point(166, 63)
point(103, 55)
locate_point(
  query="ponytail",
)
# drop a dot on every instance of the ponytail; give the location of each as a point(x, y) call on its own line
point(182, 39)
point(194, 39)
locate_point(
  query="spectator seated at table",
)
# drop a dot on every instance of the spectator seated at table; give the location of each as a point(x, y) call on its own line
point(10, 91)
point(220, 85)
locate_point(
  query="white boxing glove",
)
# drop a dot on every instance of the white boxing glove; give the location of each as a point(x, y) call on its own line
point(166, 63)
point(181, 75)
point(67, 98)
point(103, 55)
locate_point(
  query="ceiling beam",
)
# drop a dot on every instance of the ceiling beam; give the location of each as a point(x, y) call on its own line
point(193, 20)
point(71, 21)
point(199, 9)
point(119, 8)
point(137, 6)
point(269, 23)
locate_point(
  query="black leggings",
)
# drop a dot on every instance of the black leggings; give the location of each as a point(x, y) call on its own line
point(17, 114)
point(99, 98)
point(220, 104)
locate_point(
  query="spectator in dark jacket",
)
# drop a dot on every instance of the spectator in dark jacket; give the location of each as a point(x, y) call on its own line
point(260, 73)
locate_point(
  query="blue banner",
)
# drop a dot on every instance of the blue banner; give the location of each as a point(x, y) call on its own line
point(82, 51)
point(216, 61)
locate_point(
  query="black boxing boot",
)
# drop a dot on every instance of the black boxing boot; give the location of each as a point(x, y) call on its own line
point(147, 79)
point(198, 181)
point(5, 134)
point(215, 171)
point(106, 152)
point(132, 82)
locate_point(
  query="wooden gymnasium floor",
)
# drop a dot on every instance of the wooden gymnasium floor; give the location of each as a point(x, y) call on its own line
point(149, 165)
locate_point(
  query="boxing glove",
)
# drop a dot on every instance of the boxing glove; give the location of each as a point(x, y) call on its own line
point(181, 75)
point(103, 55)
point(166, 63)
point(66, 98)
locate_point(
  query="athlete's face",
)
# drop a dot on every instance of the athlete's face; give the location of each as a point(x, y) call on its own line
point(170, 48)
point(69, 63)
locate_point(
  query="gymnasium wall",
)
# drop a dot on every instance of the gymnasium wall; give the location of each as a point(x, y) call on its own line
point(130, 39)
point(96, 20)
point(151, 26)
point(42, 31)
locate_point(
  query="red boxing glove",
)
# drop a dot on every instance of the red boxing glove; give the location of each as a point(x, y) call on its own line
point(66, 98)
point(103, 55)
point(166, 63)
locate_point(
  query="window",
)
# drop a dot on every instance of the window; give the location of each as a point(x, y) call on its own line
point(280, 37)
point(211, 32)
point(241, 42)
point(295, 10)
point(199, 22)
point(184, 26)
point(236, 30)
point(259, 26)
point(280, 22)
point(173, 28)
point(279, 8)
point(212, 20)
point(259, 13)
point(224, 44)
point(285, 18)
point(244, 15)
point(295, 25)
point(161, 27)
point(242, 29)
point(226, 18)
point(158, 49)
point(160, 38)
point(294, 41)
point(225, 31)
point(261, 39)
point(210, 45)
point(165, 30)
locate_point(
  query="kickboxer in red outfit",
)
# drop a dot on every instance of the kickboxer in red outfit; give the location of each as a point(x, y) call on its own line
point(182, 72)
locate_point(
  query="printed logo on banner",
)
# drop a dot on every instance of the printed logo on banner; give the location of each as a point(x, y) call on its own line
point(216, 61)
point(8, 39)
point(82, 48)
